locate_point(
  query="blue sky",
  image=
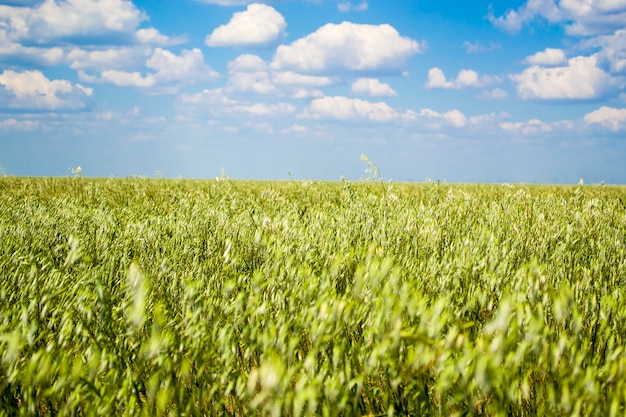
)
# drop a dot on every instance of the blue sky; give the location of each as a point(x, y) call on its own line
point(483, 91)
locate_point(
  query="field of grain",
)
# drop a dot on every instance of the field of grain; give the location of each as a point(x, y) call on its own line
point(179, 297)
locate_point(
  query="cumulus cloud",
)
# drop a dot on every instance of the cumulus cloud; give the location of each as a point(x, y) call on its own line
point(372, 87)
point(580, 79)
point(465, 79)
point(259, 26)
point(549, 56)
point(580, 17)
point(151, 36)
point(607, 117)
point(48, 33)
point(54, 20)
point(347, 6)
point(435, 119)
point(612, 54)
point(249, 73)
point(344, 108)
point(348, 47)
point(32, 90)
point(170, 72)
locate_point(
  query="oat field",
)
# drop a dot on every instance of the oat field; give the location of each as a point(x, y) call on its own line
point(157, 297)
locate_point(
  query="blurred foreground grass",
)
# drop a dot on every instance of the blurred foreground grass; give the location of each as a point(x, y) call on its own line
point(159, 297)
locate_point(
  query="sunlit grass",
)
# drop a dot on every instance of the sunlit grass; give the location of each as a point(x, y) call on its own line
point(154, 297)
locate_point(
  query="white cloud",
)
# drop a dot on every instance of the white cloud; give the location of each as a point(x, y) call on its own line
point(38, 55)
point(613, 50)
point(607, 117)
point(226, 2)
point(292, 78)
point(580, 79)
point(259, 26)
point(170, 72)
point(152, 36)
point(465, 79)
point(248, 62)
point(580, 17)
point(347, 6)
point(49, 33)
point(13, 124)
point(124, 78)
point(32, 90)
point(483, 120)
point(372, 87)
point(111, 58)
point(53, 20)
point(344, 108)
point(549, 56)
point(531, 127)
point(208, 97)
point(249, 73)
point(296, 129)
point(477, 47)
point(435, 119)
point(495, 94)
point(348, 47)
point(263, 109)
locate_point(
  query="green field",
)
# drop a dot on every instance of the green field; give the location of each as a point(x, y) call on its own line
point(179, 297)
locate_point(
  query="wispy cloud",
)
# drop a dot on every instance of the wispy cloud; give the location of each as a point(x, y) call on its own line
point(347, 6)
point(477, 47)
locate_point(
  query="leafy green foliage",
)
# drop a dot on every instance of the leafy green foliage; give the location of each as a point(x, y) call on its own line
point(158, 297)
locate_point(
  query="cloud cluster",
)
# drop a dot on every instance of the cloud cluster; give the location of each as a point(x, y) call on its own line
point(52, 21)
point(580, 17)
point(347, 109)
point(169, 72)
point(259, 26)
point(250, 73)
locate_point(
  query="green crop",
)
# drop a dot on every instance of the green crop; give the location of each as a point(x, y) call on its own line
point(172, 297)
